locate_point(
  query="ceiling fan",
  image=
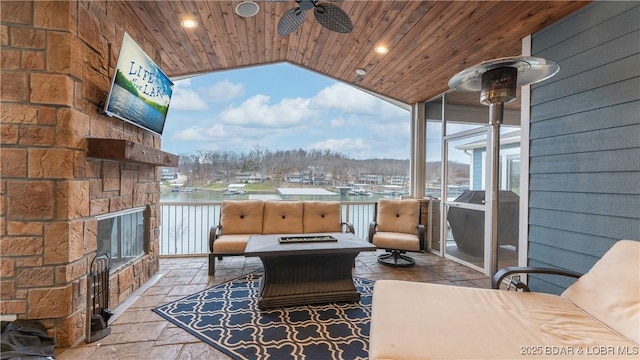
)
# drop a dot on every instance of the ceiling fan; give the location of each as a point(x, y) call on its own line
point(328, 15)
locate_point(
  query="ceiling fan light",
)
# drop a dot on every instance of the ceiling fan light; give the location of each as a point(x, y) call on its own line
point(361, 71)
point(247, 9)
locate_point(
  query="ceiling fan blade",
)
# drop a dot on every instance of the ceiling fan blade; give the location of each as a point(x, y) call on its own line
point(291, 21)
point(333, 18)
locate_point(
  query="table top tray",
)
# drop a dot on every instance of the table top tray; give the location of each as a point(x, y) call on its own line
point(269, 245)
point(305, 239)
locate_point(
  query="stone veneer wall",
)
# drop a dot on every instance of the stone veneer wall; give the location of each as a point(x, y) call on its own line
point(57, 62)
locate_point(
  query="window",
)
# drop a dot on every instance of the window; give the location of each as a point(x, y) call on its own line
point(509, 156)
point(510, 179)
point(122, 236)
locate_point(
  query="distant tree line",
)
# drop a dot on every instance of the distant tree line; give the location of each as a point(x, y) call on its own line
point(204, 165)
point(277, 165)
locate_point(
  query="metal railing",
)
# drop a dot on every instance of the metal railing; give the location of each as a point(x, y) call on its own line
point(184, 226)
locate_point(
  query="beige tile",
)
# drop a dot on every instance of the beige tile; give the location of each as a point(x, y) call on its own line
point(165, 352)
point(147, 301)
point(135, 316)
point(190, 272)
point(133, 333)
point(157, 290)
point(99, 351)
point(201, 350)
point(186, 289)
point(176, 335)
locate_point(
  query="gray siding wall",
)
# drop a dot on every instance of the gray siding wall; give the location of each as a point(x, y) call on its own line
point(585, 140)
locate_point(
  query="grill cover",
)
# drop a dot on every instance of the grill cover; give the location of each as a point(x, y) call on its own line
point(467, 225)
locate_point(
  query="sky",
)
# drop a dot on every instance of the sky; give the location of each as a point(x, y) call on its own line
point(282, 107)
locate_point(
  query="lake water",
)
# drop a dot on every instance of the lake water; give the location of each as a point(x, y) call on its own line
point(125, 104)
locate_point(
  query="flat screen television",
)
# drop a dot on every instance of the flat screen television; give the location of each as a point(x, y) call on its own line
point(140, 92)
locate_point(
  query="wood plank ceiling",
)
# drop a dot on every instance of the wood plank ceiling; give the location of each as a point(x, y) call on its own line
point(428, 41)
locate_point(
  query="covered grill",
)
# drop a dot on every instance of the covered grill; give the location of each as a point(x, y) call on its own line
point(467, 225)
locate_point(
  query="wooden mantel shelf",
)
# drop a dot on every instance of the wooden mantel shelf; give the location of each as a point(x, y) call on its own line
point(128, 151)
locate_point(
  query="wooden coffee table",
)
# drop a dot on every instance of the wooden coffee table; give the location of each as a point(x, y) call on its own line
point(306, 272)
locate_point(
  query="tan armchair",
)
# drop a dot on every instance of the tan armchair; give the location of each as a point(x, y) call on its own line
point(397, 230)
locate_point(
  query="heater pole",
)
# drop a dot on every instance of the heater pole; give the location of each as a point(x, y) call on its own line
point(497, 88)
point(497, 81)
point(496, 113)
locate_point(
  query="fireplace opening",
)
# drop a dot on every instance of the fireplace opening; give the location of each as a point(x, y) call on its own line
point(121, 235)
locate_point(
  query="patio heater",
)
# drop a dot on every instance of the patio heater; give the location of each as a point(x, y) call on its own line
point(497, 81)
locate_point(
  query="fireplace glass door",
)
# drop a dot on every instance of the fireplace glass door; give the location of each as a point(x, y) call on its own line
point(121, 235)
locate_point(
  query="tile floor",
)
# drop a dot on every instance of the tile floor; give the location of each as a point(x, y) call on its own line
point(139, 333)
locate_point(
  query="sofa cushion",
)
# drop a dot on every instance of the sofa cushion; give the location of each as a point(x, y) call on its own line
point(398, 241)
point(231, 244)
point(451, 322)
point(241, 216)
point(398, 215)
point(282, 217)
point(321, 217)
point(610, 291)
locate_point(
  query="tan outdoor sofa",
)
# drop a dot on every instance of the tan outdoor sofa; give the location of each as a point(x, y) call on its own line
point(239, 219)
point(596, 317)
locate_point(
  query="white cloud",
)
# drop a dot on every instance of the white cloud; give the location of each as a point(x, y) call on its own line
point(223, 91)
point(185, 98)
point(345, 98)
point(337, 123)
point(345, 146)
point(199, 133)
point(256, 111)
point(398, 130)
point(189, 100)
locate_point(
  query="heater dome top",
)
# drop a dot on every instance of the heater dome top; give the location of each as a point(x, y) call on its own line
point(530, 70)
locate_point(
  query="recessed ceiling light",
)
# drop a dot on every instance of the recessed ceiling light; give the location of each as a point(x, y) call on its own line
point(189, 23)
point(381, 49)
point(247, 9)
point(361, 71)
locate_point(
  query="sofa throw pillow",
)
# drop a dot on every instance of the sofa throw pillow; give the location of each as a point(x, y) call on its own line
point(241, 216)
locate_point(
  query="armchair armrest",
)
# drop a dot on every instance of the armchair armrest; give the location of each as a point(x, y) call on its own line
point(347, 227)
point(372, 230)
point(421, 237)
point(214, 232)
point(496, 280)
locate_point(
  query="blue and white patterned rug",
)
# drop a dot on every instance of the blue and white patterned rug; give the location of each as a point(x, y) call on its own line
point(226, 316)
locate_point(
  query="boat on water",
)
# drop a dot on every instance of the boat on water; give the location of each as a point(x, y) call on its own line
point(392, 190)
point(360, 190)
point(235, 189)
